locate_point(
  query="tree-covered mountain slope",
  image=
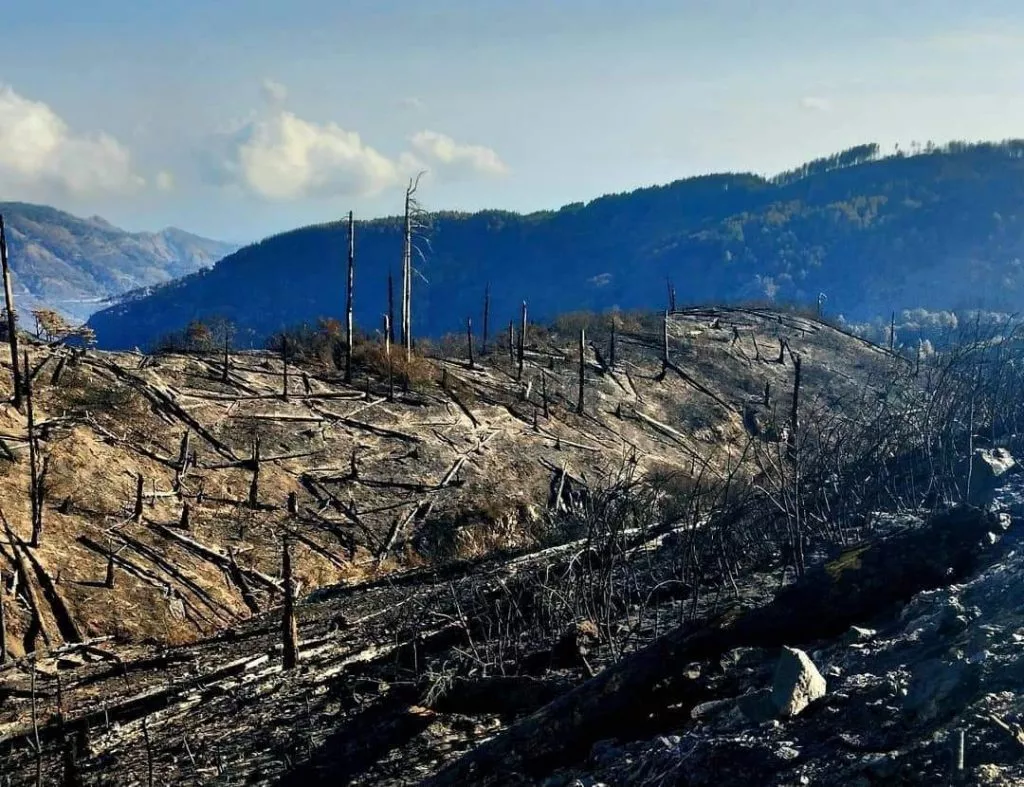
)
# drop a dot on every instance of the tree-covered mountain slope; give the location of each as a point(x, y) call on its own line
point(940, 229)
point(74, 265)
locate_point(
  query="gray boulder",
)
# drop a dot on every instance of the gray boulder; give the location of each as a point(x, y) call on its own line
point(984, 473)
point(797, 682)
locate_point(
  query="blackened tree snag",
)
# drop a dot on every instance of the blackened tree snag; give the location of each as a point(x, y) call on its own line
point(284, 362)
point(892, 332)
point(290, 629)
point(137, 508)
point(184, 454)
point(12, 317)
point(611, 345)
point(226, 371)
point(487, 318)
point(521, 344)
point(665, 361)
point(544, 393)
point(469, 339)
point(580, 405)
point(3, 623)
point(413, 210)
point(254, 486)
point(388, 328)
point(671, 295)
point(794, 410)
point(390, 324)
point(348, 296)
point(35, 496)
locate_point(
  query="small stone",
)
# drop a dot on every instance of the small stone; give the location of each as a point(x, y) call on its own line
point(797, 682)
point(859, 634)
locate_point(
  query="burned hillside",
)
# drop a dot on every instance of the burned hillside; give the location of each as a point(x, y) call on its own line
point(472, 541)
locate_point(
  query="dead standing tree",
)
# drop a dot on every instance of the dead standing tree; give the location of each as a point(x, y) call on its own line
point(414, 226)
point(284, 363)
point(290, 630)
point(487, 318)
point(469, 339)
point(36, 475)
point(521, 345)
point(254, 463)
point(580, 404)
point(12, 317)
point(348, 297)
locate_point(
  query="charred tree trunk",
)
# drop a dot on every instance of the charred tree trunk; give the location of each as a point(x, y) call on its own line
point(290, 630)
point(12, 317)
point(184, 452)
point(137, 508)
point(186, 512)
point(665, 360)
point(388, 327)
point(35, 482)
point(3, 623)
point(390, 324)
point(227, 359)
point(544, 393)
point(611, 345)
point(892, 332)
point(293, 504)
point(521, 345)
point(254, 486)
point(284, 362)
point(469, 339)
point(348, 297)
point(487, 318)
point(794, 410)
point(512, 342)
point(671, 295)
point(109, 581)
point(580, 403)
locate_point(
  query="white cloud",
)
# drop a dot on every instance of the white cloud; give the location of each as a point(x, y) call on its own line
point(281, 157)
point(40, 153)
point(165, 180)
point(274, 92)
point(815, 103)
point(278, 155)
point(441, 152)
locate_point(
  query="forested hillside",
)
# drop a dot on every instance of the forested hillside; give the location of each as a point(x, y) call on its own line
point(74, 265)
point(942, 228)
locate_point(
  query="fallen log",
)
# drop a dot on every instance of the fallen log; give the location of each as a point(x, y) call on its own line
point(858, 584)
point(216, 557)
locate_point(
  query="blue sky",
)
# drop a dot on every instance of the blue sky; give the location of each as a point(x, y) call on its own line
point(239, 118)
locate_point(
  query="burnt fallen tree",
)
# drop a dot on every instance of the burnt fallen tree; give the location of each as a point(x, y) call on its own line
point(862, 582)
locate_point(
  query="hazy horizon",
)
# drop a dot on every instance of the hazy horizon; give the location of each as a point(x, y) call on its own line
point(244, 119)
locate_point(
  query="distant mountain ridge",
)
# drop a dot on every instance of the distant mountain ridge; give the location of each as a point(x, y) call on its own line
point(75, 265)
point(940, 229)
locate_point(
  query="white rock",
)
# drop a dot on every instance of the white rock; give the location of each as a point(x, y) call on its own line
point(797, 682)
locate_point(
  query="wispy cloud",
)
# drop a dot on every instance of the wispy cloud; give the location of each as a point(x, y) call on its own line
point(41, 155)
point(441, 152)
point(274, 92)
point(815, 104)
